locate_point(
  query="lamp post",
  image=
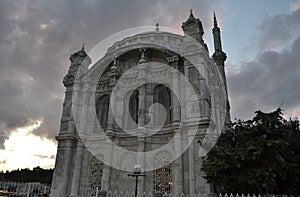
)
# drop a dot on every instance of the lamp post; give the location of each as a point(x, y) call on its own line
point(136, 173)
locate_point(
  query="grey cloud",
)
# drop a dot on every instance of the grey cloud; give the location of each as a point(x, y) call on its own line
point(272, 79)
point(266, 83)
point(280, 30)
point(37, 38)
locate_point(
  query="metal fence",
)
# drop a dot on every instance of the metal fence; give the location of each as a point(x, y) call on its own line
point(98, 193)
point(21, 189)
point(151, 194)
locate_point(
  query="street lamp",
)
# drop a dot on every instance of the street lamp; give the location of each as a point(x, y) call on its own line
point(136, 173)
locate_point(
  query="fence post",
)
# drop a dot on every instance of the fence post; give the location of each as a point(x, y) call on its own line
point(28, 191)
point(157, 194)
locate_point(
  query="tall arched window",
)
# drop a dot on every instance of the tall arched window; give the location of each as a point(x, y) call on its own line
point(134, 105)
point(102, 110)
point(131, 110)
point(162, 95)
point(95, 172)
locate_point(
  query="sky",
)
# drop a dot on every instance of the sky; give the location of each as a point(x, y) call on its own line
point(37, 37)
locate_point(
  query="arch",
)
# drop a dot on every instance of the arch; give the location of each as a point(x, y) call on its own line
point(102, 110)
point(162, 95)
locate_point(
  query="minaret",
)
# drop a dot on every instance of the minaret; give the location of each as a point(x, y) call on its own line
point(220, 57)
point(193, 27)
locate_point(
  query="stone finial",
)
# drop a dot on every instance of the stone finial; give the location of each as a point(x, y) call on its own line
point(157, 27)
point(114, 67)
point(143, 56)
point(82, 48)
point(191, 12)
point(114, 73)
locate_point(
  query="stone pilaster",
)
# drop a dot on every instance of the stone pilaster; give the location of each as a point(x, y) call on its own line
point(107, 170)
point(191, 164)
point(77, 170)
point(63, 165)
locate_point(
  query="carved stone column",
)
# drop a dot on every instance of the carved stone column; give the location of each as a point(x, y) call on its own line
point(173, 61)
point(189, 129)
point(191, 164)
point(141, 138)
point(141, 119)
point(105, 183)
point(178, 166)
point(64, 158)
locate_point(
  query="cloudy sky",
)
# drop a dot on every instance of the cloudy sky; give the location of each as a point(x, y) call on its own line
point(261, 39)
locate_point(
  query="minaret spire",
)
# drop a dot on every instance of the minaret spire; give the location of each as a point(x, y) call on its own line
point(191, 13)
point(220, 57)
point(215, 20)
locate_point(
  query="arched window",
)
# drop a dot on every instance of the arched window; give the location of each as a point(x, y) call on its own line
point(162, 95)
point(194, 77)
point(131, 110)
point(162, 177)
point(95, 172)
point(134, 105)
point(102, 110)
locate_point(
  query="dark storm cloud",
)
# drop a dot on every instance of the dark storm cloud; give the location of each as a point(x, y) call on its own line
point(271, 81)
point(37, 38)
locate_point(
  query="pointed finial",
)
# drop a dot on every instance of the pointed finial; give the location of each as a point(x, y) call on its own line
point(82, 48)
point(143, 56)
point(114, 67)
point(191, 12)
point(215, 20)
point(157, 27)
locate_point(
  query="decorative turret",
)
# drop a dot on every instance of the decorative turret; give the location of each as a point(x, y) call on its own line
point(193, 27)
point(114, 73)
point(79, 63)
point(78, 59)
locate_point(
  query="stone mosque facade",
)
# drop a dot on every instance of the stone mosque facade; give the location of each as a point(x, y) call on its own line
point(78, 172)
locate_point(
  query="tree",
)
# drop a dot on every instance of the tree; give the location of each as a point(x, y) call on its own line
point(257, 156)
point(26, 175)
